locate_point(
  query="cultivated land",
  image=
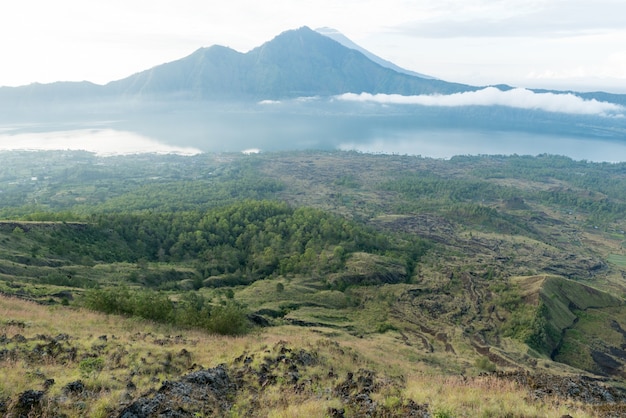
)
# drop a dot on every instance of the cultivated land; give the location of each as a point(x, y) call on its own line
point(311, 284)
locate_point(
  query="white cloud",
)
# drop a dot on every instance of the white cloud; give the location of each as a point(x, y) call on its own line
point(491, 96)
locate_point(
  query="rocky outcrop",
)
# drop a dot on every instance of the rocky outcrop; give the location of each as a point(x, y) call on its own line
point(205, 393)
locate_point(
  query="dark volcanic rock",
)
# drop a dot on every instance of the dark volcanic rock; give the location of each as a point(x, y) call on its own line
point(259, 320)
point(28, 404)
point(74, 388)
point(203, 392)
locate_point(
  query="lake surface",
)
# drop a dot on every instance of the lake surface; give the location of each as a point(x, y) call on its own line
point(104, 142)
point(446, 144)
point(435, 143)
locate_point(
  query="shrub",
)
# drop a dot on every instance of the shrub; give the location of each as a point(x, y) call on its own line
point(228, 319)
point(384, 327)
point(152, 305)
point(484, 364)
point(91, 366)
point(192, 310)
point(111, 300)
point(443, 413)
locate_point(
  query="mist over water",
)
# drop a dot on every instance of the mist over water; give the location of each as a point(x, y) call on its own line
point(315, 125)
point(426, 143)
point(104, 142)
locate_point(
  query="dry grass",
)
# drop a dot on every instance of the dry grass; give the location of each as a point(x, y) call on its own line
point(134, 350)
point(137, 350)
point(483, 397)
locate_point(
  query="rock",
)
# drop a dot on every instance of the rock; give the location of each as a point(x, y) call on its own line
point(48, 383)
point(64, 294)
point(28, 404)
point(336, 413)
point(217, 378)
point(203, 392)
point(258, 320)
point(74, 388)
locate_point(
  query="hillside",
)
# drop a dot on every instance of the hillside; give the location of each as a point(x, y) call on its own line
point(366, 277)
point(343, 40)
point(296, 63)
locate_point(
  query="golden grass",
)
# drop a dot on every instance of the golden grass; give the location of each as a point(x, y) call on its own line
point(136, 350)
point(312, 408)
point(131, 346)
point(483, 397)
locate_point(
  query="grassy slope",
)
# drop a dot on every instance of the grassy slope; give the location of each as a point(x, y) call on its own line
point(147, 354)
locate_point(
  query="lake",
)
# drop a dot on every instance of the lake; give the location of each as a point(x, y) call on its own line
point(237, 132)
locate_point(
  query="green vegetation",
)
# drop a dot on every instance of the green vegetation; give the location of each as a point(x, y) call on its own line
point(459, 267)
point(192, 310)
point(617, 259)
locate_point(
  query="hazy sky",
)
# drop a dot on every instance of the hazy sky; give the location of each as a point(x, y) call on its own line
point(529, 43)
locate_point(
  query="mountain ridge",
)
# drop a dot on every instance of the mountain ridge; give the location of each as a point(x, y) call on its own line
point(345, 41)
point(296, 63)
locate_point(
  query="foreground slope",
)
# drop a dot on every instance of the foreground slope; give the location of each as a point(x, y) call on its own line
point(61, 361)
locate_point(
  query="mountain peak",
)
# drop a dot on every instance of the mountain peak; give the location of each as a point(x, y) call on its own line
point(296, 63)
point(337, 36)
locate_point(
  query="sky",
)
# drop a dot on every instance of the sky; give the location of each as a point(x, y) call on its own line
point(561, 44)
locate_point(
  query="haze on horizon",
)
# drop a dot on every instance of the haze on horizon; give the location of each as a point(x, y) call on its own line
point(560, 44)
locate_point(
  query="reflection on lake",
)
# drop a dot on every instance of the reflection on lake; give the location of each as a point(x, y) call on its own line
point(448, 143)
point(434, 143)
point(102, 142)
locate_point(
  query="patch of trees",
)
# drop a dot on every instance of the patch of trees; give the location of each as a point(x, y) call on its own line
point(596, 189)
point(187, 194)
point(191, 310)
point(85, 183)
point(230, 245)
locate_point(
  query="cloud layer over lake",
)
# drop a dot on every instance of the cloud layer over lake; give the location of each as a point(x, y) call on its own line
point(491, 96)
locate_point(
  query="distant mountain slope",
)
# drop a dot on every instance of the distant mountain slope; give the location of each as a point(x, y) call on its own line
point(335, 35)
point(51, 93)
point(296, 63)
